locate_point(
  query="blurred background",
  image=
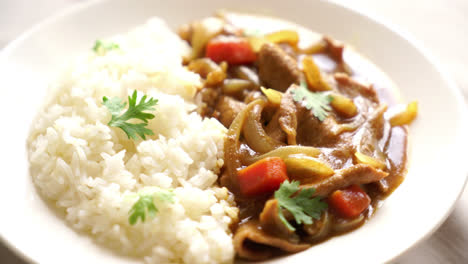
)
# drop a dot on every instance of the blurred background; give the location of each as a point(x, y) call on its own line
point(440, 25)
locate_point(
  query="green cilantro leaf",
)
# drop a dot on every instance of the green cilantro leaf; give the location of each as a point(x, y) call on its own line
point(299, 203)
point(135, 111)
point(165, 196)
point(145, 204)
point(318, 102)
point(100, 46)
point(115, 105)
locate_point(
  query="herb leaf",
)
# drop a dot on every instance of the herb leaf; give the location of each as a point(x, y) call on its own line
point(299, 203)
point(145, 204)
point(100, 46)
point(135, 111)
point(318, 102)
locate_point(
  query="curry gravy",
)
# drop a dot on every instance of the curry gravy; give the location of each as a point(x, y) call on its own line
point(388, 142)
point(393, 143)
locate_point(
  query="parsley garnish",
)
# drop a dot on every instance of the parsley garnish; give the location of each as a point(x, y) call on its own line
point(318, 102)
point(101, 46)
point(116, 105)
point(299, 203)
point(146, 204)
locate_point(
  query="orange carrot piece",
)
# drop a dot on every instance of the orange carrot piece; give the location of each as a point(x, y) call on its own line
point(263, 176)
point(350, 202)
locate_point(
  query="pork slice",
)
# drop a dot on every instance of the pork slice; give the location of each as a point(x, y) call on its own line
point(316, 133)
point(356, 174)
point(253, 243)
point(335, 48)
point(283, 124)
point(367, 138)
point(274, 130)
point(228, 109)
point(300, 124)
point(276, 69)
point(287, 117)
point(353, 88)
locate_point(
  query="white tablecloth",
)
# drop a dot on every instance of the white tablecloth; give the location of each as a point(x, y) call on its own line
point(441, 25)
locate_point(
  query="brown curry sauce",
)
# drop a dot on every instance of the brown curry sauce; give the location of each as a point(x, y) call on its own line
point(392, 142)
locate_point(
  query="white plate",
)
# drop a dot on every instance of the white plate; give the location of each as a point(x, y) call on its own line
point(438, 166)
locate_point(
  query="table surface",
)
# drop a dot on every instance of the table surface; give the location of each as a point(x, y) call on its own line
point(441, 25)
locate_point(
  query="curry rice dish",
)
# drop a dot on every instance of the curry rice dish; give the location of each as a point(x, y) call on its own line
point(240, 136)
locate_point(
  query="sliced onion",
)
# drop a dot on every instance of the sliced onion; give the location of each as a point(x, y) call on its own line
point(314, 76)
point(254, 134)
point(343, 105)
point(203, 31)
point(284, 36)
point(256, 43)
point(310, 169)
point(364, 159)
point(236, 86)
point(246, 73)
point(405, 117)
point(272, 95)
point(285, 152)
point(319, 229)
point(318, 47)
point(231, 148)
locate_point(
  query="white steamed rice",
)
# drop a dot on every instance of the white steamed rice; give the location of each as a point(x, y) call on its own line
point(94, 173)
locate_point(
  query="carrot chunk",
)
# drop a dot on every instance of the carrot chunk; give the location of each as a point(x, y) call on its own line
point(350, 202)
point(262, 177)
point(231, 50)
